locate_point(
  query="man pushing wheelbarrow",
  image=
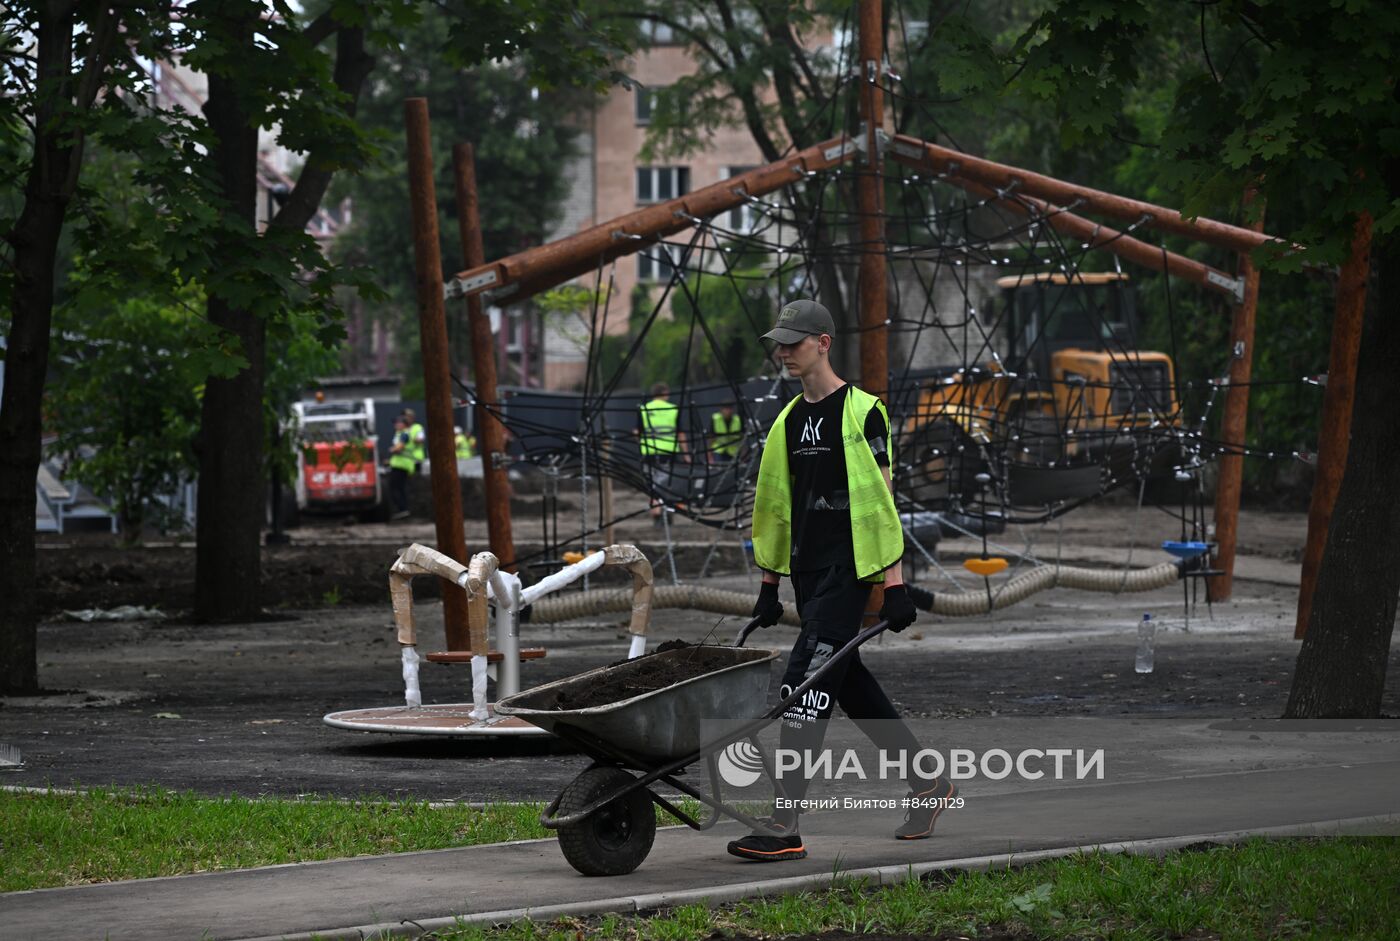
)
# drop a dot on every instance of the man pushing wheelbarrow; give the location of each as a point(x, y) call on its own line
point(824, 515)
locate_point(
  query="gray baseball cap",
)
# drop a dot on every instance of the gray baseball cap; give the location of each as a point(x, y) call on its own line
point(801, 318)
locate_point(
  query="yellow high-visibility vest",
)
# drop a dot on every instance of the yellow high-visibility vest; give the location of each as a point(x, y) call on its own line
point(402, 460)
point(727, 435)
point(877, 539)
point(417, 446)
point(659, 420)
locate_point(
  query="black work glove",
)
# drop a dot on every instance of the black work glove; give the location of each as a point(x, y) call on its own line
point(897, 609)
point(768, 609)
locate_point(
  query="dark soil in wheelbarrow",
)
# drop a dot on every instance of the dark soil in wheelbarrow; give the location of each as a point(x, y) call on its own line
point(647, 674)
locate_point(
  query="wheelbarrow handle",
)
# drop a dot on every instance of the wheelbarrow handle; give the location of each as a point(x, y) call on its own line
point(745, 631)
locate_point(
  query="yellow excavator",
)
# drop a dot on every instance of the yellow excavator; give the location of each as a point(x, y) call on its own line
point(1064, 405)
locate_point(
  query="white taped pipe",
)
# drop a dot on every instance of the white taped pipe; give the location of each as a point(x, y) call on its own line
point(479, 711)
point(412, 695)
point(639, 646)
point(564, 576)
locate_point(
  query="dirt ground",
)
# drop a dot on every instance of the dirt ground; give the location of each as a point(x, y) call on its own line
point(238, 708)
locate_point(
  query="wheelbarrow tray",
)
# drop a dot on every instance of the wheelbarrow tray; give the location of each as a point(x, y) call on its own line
point(664, 724)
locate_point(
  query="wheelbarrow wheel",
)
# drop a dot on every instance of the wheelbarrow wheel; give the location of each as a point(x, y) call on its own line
point(615, 838)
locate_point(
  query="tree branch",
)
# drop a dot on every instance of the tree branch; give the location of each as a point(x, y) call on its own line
point(352, 66)
point(748, 99)
point(320, 29)
point(784, 80)
point(104, 33)
point(676, 27)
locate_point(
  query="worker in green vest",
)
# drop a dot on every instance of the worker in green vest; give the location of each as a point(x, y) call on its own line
point(417, 440)
point(824, 515)
point(661, 441)
point(466, 444)
point(726, 434)
point(400, 467)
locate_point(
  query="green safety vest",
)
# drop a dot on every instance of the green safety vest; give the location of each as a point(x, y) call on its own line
point(416, 447)
point(877, 539)
point(402, 460)
point(464, 447)
point(726, 440)
point(659, 420)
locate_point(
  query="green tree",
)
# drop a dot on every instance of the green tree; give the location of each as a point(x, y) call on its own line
point(70, 73)
point(135, 447)
point(522, 137)
point(74, 73)
point(303, 74)
point(1299, 99)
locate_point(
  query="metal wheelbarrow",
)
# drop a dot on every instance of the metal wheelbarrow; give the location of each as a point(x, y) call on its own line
point(604, 818)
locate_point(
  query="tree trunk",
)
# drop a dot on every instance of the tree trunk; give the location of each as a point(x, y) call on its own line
point(1342, 663)
point(34, 240)
point(228, 560)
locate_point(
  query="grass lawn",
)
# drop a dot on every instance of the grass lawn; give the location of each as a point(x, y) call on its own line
point(55, 839)
point(1336, 888)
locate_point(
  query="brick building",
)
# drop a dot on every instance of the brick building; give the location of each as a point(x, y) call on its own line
point(608, 178)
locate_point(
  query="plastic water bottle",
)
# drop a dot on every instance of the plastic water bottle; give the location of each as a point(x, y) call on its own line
point(1147, 636)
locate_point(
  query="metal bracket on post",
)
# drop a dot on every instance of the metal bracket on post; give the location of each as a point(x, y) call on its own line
point(882, 142)
point(840, 150)
point(908, 151)
point(1234, 285)
point(461, 287)
point(499, 459)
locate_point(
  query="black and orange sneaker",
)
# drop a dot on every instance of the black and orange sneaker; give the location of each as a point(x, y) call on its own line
point(924, 807)
point(768, 847)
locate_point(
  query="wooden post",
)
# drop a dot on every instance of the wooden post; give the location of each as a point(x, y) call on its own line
point(874, 337)
point(1227, 487)
point(437, 370)
point(1334, 434)
point(870, 208)
point(492, 432)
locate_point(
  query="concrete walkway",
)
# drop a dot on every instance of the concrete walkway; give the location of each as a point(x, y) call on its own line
point(1167, 782)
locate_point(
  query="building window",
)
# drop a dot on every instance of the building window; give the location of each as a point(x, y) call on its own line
point(658, 184)
point(658, 34)
point(645, 101)
point(741, 218)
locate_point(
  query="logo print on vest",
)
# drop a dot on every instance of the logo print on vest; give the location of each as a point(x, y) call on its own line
point(812, 431)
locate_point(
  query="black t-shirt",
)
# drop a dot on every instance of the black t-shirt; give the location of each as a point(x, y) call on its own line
point(821, 505)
